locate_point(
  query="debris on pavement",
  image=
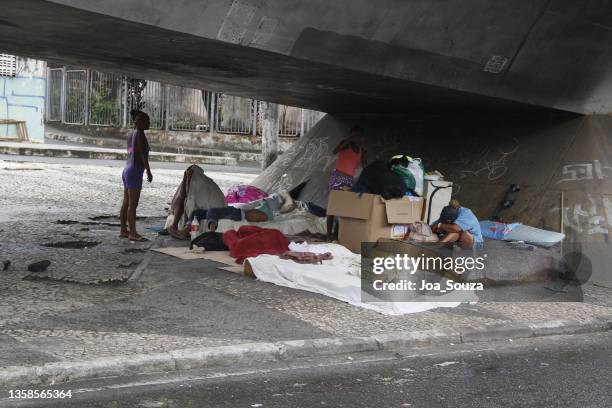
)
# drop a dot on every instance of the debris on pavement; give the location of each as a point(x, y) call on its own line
point(39, 266)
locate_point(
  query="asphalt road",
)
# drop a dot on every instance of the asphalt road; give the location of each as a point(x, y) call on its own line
point(557, 371)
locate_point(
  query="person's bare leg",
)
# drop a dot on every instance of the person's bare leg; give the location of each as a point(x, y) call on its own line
point(180, 203)
point(255, 216)
point(134, 197)
point(466, 240)
point(123, 215)
point(449, 239)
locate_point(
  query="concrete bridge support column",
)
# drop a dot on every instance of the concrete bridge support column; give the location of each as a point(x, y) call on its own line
point(269, 136)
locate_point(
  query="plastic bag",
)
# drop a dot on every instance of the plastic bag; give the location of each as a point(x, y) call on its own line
point(413, 174)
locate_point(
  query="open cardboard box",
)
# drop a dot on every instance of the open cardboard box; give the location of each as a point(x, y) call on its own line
point(368, 217)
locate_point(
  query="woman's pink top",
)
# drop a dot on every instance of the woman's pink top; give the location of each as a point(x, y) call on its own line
point(348, 160)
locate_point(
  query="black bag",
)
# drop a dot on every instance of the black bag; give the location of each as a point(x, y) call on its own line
point(211, 241)
point(377, 178)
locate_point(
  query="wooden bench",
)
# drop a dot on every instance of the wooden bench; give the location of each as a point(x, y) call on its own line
point(22, 130)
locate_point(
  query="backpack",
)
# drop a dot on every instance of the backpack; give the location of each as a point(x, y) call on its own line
point(210, 240)
point(377, 178)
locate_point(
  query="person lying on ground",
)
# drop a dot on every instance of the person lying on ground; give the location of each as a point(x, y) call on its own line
point(212, 216)
point(277, 203)
point(458, 225)
point(137, 163)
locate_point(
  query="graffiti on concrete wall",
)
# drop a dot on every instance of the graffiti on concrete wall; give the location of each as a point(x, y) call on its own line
point(593, 216)
point(493, 162)
point(584, 171)
point(22, 98)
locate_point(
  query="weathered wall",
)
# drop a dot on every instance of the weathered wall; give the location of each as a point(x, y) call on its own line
point(170, 139)
point(483, 155)
point(23, 98)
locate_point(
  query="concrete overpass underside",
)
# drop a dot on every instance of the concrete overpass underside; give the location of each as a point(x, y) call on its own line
point(339, 56)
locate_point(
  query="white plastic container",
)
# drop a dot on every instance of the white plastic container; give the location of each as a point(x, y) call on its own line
point(195, 228)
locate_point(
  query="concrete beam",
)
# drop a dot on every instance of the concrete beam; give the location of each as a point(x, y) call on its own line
point(375, 57)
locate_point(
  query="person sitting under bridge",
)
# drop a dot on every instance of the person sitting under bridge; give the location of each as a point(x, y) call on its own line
point(458, 225)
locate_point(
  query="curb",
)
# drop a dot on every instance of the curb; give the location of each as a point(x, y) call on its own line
point(138, 271)
point(197, 358)
point(46, 151)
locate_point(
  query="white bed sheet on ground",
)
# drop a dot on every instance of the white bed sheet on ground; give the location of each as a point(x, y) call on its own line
point(337, 280)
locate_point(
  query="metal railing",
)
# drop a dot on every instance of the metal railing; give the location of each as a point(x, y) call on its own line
point(189, 108)
point(54, 98)
point(309, 119)
point(235, 114)
point(289, 121)
point(104, 99)
point(81, 97)
point(75, 100)
point(147, 96)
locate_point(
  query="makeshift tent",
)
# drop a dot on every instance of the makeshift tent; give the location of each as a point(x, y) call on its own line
point(202, 193)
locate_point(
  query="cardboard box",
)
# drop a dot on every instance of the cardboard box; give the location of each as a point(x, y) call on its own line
point(368, 217)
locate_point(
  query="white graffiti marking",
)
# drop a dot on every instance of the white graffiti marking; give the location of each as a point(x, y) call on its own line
point(584, 171)
point(591, 217)
point(494, 169)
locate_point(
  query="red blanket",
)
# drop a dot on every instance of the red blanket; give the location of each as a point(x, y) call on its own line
point(251, 240)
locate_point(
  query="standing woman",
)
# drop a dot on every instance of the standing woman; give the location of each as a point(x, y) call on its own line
point(350, 153)
point(137, 163)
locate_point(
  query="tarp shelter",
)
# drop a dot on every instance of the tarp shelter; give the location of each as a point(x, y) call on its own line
point(202, 193)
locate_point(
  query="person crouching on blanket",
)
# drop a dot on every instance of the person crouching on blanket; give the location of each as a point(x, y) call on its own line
point(458, 225)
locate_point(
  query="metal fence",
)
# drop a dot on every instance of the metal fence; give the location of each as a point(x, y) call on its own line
point(54, 95)
point(105, 99)
point(235, 114)
point(75, 100)
point(80, 97)
point(309, 119)
point(147, 96)
point(189, 109)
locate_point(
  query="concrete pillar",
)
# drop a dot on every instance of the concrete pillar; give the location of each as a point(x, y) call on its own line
point(269, 134)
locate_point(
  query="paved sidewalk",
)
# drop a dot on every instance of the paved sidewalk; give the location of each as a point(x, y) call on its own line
point(89, 152)
point(176, 305)
point(84, 315)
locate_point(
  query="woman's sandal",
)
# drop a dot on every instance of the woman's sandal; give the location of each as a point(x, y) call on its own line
point(138, 239)
point(177, 234)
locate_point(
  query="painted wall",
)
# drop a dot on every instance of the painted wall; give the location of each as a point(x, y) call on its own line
point(23, 98)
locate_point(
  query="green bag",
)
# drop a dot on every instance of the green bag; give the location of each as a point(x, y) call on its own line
point(413, 175)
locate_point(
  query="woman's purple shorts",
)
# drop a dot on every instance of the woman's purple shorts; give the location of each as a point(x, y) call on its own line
point(337, 180)
point(132, 177)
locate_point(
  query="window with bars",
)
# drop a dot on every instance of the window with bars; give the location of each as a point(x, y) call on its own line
point(8, 65)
